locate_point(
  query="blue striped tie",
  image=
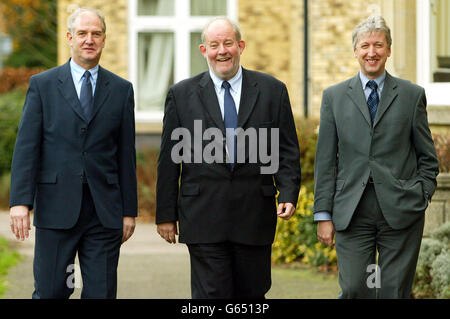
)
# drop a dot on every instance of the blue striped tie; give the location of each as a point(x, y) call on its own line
point(373, 99)
point(86, 96)
point(230, 121)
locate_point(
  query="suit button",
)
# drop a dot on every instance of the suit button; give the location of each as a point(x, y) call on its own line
point(83, 129)
point(84, 153)
point(371, 158)
point(81, 176)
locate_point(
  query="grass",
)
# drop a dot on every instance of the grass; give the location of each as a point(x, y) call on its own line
point(302, 282)
point(8, 258)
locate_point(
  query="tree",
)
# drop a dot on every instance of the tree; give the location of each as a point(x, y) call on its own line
point(32, 27)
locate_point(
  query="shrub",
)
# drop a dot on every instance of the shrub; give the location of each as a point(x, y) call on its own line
point(147, 162)
point(307, 137)
point(432, 278)
point(16, 78)
point(4, 191)
point(10, 111)
point(442, 144)
point(440, 272)
point(295, 239)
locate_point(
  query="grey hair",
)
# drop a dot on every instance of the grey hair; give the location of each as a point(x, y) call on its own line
point(236, 28)
point(77, 12)
point(372, 24)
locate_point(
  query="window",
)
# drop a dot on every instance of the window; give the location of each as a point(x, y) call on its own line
point(164, 40)
point(433, 49)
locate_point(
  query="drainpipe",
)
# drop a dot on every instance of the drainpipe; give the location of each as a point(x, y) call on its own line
point(305, 59)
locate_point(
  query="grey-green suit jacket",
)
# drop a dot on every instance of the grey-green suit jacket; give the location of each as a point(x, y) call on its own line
point(398, 149)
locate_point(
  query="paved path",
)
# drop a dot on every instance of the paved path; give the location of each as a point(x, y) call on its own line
point(151, 268)
point(148, 266)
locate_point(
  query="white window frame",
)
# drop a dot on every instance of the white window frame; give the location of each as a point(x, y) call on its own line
point(181, 25)
point(437, 93)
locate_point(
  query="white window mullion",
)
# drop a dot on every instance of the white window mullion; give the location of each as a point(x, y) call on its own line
point(437, 93)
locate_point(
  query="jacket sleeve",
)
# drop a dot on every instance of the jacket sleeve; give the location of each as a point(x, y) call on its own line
point(167, 185)
point(427, 162)
point(127, 157)
point(25, 162)
point(288, 177)
point(326, 159)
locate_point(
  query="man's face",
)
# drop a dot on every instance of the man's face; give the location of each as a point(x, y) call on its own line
point(221, 49)
point(372, 52)
point(87, 40)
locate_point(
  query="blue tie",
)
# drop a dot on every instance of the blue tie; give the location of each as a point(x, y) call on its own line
point(86, 96)
point(373, 99)
point(230, 120)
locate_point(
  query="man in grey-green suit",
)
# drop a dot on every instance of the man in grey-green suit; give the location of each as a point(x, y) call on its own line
point(375, 172)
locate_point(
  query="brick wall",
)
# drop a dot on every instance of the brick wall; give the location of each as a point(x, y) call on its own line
point(115, 54)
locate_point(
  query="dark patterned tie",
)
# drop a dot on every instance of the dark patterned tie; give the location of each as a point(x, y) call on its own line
point(230, 121)
point(86, 95)
point(373, 99)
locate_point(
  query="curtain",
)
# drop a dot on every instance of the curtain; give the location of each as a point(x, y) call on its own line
point(156, 7)
point(155, 73)
point(208, 7)
point(155, 58)
point(198, 62)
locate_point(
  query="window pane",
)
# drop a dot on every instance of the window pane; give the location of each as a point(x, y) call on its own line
point(156, 7)
point(198, 62)
point(155, 69)
point(440, 41)
point(208, 7)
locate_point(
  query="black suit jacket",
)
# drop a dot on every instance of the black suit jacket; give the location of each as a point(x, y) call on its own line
point(211, 202)
point(56, 146)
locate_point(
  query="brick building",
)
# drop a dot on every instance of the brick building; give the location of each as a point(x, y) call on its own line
point(154, 43)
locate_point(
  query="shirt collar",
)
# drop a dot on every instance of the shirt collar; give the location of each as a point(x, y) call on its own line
point(234, 81)
point(379, 80)
point(78, 71)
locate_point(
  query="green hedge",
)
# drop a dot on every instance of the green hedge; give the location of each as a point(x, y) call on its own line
point(11, 105)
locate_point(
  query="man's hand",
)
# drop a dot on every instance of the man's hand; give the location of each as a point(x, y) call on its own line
point(129, 224)
point(168, 231)
point(19, 220)
point(285, 210)
point(325, 232)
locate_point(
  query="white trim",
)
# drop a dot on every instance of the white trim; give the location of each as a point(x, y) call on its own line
point(437, 93)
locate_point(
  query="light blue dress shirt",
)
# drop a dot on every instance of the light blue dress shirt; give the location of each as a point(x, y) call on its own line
point(322, 216)
point(235, 90)
point(78, 76)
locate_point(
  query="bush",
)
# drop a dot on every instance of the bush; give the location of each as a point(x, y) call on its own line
point(296, 240)
point(16, 78)
point(147, 162)
point(11, 105)
point(442, 144)
point(432, 278)
point(307, 134)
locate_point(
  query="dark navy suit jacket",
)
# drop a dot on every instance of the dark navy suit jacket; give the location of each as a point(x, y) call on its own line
point(56, 147)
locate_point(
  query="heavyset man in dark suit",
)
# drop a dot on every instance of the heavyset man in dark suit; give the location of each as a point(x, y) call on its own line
point(75, 164)
point(226, 211)
point(375, 171)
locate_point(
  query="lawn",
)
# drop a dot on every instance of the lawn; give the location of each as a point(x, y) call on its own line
point(301, 282)
point(8, 258)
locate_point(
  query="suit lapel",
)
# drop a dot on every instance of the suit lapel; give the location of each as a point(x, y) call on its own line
point(101, 91)
point(208, 98)
point(67, 89)
point(356, 94)
point(387, 96)
point(249, 95)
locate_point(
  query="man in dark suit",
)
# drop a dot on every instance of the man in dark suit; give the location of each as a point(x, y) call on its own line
point(375, 171)
point(75, 164)
point(226, 209)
